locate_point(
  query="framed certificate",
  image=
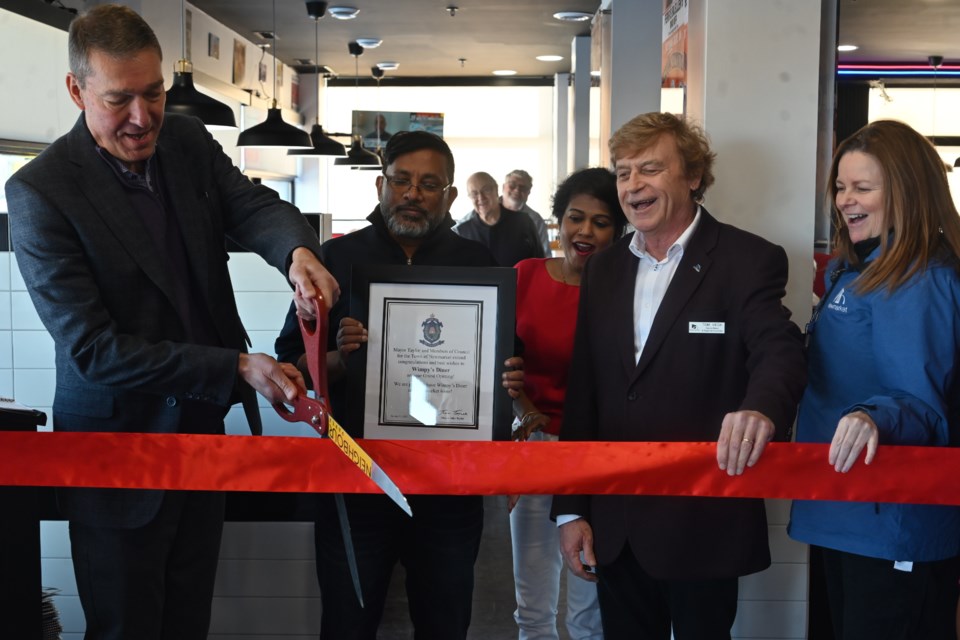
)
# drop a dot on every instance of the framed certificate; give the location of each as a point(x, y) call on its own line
point(437, 340)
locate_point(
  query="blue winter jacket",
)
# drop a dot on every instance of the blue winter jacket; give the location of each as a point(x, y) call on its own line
point(895, 357)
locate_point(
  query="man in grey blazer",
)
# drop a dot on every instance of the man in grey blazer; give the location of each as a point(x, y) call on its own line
point(119, 230)
point(681, 336)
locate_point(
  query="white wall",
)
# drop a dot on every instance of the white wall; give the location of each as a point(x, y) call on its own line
point(36, 106)
point(931, 112)
point(488, 129)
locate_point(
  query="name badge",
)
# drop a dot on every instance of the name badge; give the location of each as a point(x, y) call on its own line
point(707, 327)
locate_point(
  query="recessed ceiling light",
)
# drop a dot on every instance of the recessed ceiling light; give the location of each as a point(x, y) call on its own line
point(341, 12)
point(847, 47)
point(504, 72)
point(369, 43)
point(388, 65)
point(573, 16)
point(549, 58)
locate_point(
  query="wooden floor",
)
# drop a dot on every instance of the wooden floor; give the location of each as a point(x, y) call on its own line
point(493, 595)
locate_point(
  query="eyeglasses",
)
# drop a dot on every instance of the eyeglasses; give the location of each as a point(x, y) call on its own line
point(402, 185)
point(487, 190)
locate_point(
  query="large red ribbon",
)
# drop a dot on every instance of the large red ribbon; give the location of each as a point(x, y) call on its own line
point(289, 464)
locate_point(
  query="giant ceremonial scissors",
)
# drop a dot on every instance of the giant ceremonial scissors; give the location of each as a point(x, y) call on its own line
point(316, 413)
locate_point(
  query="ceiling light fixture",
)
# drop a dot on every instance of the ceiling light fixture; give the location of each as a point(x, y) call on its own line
point(341, 12)
point(504, 72)
point(183, 97)
point(549, 58)
point(388, 65)
point(572, 16)
point(323, 145)
point(369, 43)
point(357, 156)
point(847, 47)
point(274, 132)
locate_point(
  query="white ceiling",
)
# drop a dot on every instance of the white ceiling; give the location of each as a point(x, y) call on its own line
point(427, 41)
point(508, 34)
point(421, 35)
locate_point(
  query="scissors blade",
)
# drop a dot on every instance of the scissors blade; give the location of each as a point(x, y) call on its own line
point(348, 545)
point(365, 463)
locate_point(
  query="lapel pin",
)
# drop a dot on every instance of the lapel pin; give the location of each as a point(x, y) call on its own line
point(696, 268)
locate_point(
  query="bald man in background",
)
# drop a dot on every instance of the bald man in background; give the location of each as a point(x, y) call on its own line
point(510, 235)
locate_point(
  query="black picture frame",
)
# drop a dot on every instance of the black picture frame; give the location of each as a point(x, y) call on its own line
point(440, 281)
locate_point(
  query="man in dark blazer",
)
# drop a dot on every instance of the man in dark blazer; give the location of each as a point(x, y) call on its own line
point(681, 336)
point(119, 230)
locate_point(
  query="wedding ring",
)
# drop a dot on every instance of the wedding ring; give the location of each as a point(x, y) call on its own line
point(747, 440)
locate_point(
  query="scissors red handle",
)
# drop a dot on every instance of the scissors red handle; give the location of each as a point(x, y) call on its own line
point(312, 411)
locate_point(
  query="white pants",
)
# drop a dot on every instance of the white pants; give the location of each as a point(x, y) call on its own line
point(537, 567)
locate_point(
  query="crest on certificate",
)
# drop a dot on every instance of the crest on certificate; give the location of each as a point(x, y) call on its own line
point(432, 327)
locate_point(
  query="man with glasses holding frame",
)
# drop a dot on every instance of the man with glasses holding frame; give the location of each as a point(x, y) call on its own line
point(438, 546)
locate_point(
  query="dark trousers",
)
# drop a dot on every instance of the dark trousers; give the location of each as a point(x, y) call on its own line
point(154, 582)
point(634, 605)
point(870, 600)
point(438, 547)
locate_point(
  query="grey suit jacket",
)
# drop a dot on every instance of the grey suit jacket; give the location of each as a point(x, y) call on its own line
point(680, 390)
point(105, 294)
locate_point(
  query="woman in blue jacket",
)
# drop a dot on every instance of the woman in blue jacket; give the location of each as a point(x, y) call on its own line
point(883, 356)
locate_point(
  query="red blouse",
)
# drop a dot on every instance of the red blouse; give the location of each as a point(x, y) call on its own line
point(546, 319)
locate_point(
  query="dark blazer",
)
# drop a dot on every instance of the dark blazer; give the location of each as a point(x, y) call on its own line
point(680, 390)
point(107, 296)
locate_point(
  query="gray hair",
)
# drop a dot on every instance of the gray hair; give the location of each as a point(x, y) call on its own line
point(519, 173)
point(114, 29)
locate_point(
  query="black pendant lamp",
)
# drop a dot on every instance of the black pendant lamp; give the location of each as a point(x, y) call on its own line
point(274, 132)
point(323, 145)
point(357, 156)
point(183, 97)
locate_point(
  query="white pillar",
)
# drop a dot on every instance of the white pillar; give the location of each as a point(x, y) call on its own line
point(753, 74)
point(561, 119)
point(753, 83)
point(635, 42)
point(579, 139)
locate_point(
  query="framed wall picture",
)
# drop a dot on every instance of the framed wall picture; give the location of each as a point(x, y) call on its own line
point(437, 340)
point(239, 61)
point(213, 46)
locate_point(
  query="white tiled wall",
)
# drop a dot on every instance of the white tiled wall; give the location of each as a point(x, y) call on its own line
point(773, 603)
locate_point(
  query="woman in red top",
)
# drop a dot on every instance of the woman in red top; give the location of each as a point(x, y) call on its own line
point(548, 290)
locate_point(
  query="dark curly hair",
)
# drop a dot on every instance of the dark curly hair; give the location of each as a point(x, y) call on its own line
point(597, 182)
